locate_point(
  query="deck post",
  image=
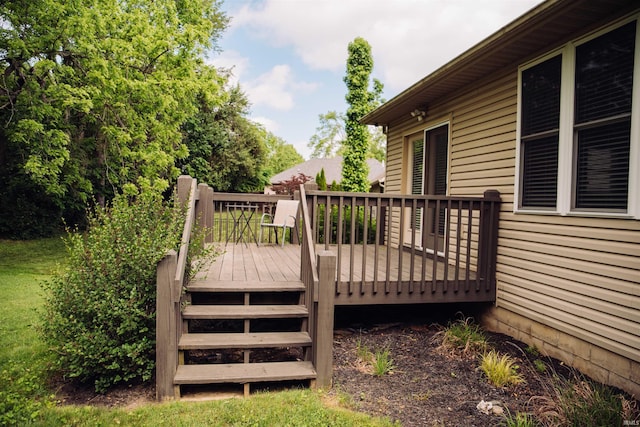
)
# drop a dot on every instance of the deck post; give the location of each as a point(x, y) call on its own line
point(323, 346)
point(488, 239)
point(204, 211)
point(183, 187)
point(295, 237)
point(166, 327)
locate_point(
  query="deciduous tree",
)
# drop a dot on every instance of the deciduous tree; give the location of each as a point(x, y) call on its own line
point(93, 94)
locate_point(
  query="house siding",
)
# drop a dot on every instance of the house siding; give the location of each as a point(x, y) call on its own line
point(569, 285)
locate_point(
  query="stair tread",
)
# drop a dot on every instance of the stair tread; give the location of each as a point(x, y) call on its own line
point(209, 341)
point(244, 372)
point(210, 285)
point(244, 311)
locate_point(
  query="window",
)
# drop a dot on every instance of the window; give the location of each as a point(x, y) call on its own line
point(539, 134)
point(575, 114)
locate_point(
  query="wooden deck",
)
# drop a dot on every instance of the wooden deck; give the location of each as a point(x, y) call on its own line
point(392, 283)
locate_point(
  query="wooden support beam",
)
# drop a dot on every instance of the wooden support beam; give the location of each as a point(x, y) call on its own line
point(166, 328)
point(323, 346)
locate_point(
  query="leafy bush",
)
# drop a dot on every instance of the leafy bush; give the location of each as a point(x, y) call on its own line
point(360, 218)
point(22, 395)
point(99, 313)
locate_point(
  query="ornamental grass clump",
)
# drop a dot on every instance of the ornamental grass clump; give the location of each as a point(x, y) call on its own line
point(99, 312)
point(464, 335)
point(500, 369)
point(580, 401)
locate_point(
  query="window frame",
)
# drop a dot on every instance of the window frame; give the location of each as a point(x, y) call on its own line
point(567, 146)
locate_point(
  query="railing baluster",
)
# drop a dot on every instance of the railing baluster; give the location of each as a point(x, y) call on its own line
point(424, 235)
point(315, 211)
point(379, 220)
point(401, 246)
point(327, 224)
point(339, 240)
point(436, 236)
point(447, 234)
point(468, 262)
point(458, 239)
point(352, 246)
point(480, 256)
point(414, 210)
point(389, 226)
point(365, 232)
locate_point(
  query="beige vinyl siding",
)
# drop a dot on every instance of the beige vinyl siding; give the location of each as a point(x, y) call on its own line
point(580, 275)
point(484, 134)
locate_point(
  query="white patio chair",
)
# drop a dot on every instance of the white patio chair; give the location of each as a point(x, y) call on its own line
point(285, 217)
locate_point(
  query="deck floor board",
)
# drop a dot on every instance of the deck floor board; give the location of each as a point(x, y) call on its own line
point(275, 263)
point(272, 263)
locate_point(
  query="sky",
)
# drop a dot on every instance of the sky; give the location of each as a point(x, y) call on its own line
point(289, 56)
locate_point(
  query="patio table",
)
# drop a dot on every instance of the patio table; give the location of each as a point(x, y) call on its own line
point(241, 215)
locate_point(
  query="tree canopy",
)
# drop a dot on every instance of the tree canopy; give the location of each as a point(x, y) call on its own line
point(330, 137)
point(108, 97)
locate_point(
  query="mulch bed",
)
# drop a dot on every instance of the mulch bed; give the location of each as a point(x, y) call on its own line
point(429, 384)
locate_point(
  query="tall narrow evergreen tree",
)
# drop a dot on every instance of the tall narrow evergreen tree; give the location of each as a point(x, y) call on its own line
point(355, 170)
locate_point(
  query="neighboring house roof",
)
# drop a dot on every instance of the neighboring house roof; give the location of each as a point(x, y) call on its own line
point(532, 33)
point(332, 170)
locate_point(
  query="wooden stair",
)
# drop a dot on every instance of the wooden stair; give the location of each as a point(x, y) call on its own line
point(244, 333)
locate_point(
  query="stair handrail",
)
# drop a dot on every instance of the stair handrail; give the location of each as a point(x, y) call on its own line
point(189, 221)
point(171, 273)
point(308, 265)
point(317, 272)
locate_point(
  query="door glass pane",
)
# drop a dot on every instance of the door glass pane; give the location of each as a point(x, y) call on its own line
point(417, 177)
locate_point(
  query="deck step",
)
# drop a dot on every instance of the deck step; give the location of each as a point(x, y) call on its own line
point(215, 341)
point(244, 311)
point(242, 373)
point(209, 285)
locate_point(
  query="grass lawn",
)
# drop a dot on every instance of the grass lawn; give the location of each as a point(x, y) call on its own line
point(25, 399)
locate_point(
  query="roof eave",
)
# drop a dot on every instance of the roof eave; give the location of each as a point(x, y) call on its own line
point(513, 34)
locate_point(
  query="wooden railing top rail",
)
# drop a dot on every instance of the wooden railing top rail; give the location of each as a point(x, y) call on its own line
point(395, 200)
point(307, 240)
point(249, 198)
point(186, 183)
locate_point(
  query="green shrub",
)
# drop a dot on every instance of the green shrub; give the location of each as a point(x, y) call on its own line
point(22, 395)
point(99, 315)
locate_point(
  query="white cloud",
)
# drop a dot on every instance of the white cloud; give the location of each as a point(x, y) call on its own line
point(230, 60)
point(276, 88)
point(409, 38)
point(269, 124)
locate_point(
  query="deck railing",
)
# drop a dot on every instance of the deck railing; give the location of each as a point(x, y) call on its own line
point(171, 273)
point(357, 248)
point(409, 244)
